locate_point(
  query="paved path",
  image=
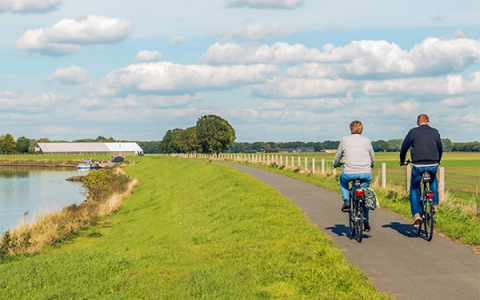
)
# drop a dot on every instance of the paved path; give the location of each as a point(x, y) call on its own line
point(394, 258)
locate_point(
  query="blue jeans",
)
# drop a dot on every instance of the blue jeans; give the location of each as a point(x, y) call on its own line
point(415, 187)
point(346, 178)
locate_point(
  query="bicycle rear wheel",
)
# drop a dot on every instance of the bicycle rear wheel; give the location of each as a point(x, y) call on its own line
point(429, 220)
point(351, 219)
point(358, 219)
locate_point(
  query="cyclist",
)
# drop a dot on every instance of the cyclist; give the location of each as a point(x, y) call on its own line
point(426, 153)
point(358, 158)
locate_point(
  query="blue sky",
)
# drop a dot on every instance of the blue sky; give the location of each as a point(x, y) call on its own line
point(277, 70)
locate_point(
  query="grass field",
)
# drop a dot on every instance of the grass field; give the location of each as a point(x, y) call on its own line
point(191, 231)
point(462, 170)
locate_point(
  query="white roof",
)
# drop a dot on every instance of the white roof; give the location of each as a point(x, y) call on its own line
point(122, 147)
point(89, 147)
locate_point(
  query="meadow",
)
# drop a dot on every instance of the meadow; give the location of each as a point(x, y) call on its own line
point(191, 231)
point(462, 170)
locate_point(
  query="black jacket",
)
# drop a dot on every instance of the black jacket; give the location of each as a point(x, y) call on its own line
point(425, 143)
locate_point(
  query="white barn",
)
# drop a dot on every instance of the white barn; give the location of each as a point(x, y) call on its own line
point(121, 148)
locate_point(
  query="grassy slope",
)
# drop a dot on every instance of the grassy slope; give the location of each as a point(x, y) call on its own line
point(192, 231)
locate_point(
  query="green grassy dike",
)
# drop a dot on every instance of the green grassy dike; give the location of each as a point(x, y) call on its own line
point(192, 231)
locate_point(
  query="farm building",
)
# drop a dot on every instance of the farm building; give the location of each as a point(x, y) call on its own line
point(89, 148)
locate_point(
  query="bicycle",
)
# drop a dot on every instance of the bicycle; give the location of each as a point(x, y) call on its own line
point(356, 213)
point(427, 206)
point(357, 209)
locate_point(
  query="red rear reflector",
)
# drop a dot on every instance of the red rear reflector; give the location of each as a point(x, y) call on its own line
point(359, 193)
point(430, 195)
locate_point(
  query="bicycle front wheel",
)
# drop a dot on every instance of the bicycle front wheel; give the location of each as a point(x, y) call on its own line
point(429, 220)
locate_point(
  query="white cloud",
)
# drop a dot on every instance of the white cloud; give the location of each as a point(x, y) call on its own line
point(273, 105)
point(24, 102)
point(281, 87)
point(29, 6)
point(324, 104)
point(366, 58)
point(72, 74)
point(273, 4)
point(166, 77)
point(455, 102)
point(152, 101)
point(451, 85)
point(402, 108)
point(146, 56)
point(69, 36)
point(55, 130)
point(178, 40)
point(258, 32)
point(232, 53)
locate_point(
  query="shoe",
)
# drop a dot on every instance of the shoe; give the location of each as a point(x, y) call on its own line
point(366, 227)
point(416, 220)
point(345, 207)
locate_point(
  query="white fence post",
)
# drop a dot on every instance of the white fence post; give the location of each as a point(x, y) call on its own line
point(306, 165)
point(313, 165)
point(384, 175)
point(441, 185)
point(323, 166)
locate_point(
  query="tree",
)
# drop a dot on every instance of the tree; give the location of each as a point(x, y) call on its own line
point(167, 145)
point(186, 141)
point(23, 145)
point(214, 134)
point(102, 139)
point(8, 144)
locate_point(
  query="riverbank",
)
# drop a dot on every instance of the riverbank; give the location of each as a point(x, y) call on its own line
point(106, 190)
point(189, 231)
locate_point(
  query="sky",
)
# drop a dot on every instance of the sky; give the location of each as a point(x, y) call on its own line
point(276, 70)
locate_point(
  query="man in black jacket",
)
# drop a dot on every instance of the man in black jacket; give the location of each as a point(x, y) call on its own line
point(426, 153)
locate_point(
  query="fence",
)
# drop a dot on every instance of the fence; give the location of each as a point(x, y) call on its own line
point(322, 167)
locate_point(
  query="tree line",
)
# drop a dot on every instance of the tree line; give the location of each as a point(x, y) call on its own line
point(213, 134)
point(393, 145)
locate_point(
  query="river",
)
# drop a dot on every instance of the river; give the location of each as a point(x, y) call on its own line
point(26, 192)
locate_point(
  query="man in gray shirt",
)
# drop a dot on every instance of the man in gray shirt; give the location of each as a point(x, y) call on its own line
point(358, 159)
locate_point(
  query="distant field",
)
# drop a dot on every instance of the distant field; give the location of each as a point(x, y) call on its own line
point(462, 170)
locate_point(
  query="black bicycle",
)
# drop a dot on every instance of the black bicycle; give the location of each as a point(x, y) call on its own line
point(427, 206)
point(357, 208)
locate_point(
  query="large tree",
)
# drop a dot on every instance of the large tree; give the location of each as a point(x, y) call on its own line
point(214, 134)
point(8, 144)
point(23, 145)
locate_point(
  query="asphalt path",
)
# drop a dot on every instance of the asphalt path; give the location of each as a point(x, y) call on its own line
point(391, 254)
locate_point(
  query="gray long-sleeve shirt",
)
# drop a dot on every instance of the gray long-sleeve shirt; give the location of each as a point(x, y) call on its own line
point(357, 153)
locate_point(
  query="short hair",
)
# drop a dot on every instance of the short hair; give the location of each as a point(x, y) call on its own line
point(356, 127)
point(422, 118)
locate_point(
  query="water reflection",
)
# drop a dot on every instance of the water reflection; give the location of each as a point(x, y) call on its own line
point(36, 190)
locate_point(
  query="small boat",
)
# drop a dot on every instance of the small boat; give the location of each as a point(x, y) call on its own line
point(88, 164)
